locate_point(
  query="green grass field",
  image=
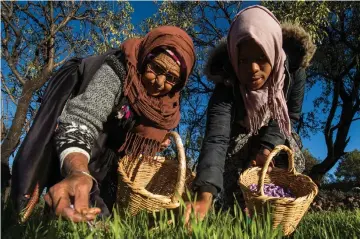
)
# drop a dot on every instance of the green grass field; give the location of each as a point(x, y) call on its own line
point(340, 224)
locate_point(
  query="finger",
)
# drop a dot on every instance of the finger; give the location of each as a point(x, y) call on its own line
point(61, 202)
point(93, 210)
point(89, 216)
point(48, 200)
point(167, 142)
point(200, 212)
point(271, 166)
point(71, 214)
point(187, 213)
point(258, 161)
point(81, 200)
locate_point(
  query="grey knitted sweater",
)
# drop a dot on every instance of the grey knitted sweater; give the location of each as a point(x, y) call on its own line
point(83, 116)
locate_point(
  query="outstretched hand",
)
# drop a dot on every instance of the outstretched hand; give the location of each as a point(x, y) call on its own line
point(201, 207)
point(261, 159)
point(70, 197)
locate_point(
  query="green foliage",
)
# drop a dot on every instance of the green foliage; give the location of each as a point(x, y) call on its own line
point(313, 16)
point(310, 161)
point(339, 224)
point(349, 167)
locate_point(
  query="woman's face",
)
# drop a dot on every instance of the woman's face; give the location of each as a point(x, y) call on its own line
point(254, 66)
point(160, 75)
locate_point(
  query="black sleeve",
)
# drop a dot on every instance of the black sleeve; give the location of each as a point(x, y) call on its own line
point(296, 96)
point(209, 177)
point(270, 135)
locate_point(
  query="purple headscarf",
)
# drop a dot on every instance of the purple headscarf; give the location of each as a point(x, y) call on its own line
point(259, 24)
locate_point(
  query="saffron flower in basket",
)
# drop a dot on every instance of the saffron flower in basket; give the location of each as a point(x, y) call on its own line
point(273, 190)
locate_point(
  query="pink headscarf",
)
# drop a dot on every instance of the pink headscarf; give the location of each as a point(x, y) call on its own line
point(258, 23)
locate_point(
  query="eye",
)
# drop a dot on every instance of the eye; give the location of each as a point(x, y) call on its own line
point(157, 69)
point(262, 58)
point(171, 79)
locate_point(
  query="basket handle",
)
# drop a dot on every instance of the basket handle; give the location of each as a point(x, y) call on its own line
point(273, 153)
point(180, 184)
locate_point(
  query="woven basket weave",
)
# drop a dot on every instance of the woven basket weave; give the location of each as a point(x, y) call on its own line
point(153, 184)
point(286, 212)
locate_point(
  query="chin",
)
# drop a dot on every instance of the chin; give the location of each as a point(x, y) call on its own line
point(253, 88)
point(154, 94)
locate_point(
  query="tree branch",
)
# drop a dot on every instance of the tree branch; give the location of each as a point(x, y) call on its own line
point(343, 94)
point(355, 119)
point(12, 64)
point(327, 130)
point(63, 60)
point(7, 90)
point(226, 13)
point(36, 20)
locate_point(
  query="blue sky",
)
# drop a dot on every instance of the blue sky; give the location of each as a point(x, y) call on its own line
point(316, 143)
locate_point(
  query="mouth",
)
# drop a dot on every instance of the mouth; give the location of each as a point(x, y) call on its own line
point(255, 82)
point(256, 78)
point(157, 88)
point(154, 90)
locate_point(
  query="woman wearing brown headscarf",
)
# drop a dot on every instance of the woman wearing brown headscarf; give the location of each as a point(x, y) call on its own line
point(130, 104)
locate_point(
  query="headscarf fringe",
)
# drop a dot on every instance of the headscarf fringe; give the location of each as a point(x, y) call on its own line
point(136, 145)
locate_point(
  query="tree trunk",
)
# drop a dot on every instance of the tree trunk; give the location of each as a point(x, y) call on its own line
point(14, 133)
point(337, 149)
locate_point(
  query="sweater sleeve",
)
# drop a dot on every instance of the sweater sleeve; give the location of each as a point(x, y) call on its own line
point(83, 116)
point(209, 177)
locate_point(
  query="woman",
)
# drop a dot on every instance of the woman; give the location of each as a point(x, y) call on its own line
point(128, 107)
point(257, 99)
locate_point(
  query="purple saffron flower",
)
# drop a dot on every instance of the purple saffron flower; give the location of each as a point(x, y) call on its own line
point(273, 190)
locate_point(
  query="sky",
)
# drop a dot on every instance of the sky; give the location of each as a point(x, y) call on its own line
point(316, 142)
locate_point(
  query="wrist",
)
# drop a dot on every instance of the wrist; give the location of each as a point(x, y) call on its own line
point(75, 162)
point(205, 196)
point(264, 151)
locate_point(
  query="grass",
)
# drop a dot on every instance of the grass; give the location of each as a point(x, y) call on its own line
point(339, 224)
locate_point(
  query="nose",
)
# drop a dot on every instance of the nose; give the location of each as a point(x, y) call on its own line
point(254, 67)
point(160, 80)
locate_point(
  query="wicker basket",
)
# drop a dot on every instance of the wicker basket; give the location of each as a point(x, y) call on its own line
point(153, 184)
point(286, 212)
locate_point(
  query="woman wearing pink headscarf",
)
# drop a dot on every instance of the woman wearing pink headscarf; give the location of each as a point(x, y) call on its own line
point(259, 72)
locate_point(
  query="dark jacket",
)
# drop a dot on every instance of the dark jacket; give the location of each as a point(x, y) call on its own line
point(37, 161)
point(226, 107)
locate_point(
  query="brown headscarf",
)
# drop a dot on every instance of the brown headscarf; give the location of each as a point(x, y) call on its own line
point(160, 114)
point(258, 23)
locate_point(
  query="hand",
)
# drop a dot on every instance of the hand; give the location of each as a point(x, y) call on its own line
point(261, 159)
point(73, 190)
point(200, 207)
point(166, 143)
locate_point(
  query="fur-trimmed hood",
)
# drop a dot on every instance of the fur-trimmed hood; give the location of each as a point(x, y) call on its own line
point(297, 44)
